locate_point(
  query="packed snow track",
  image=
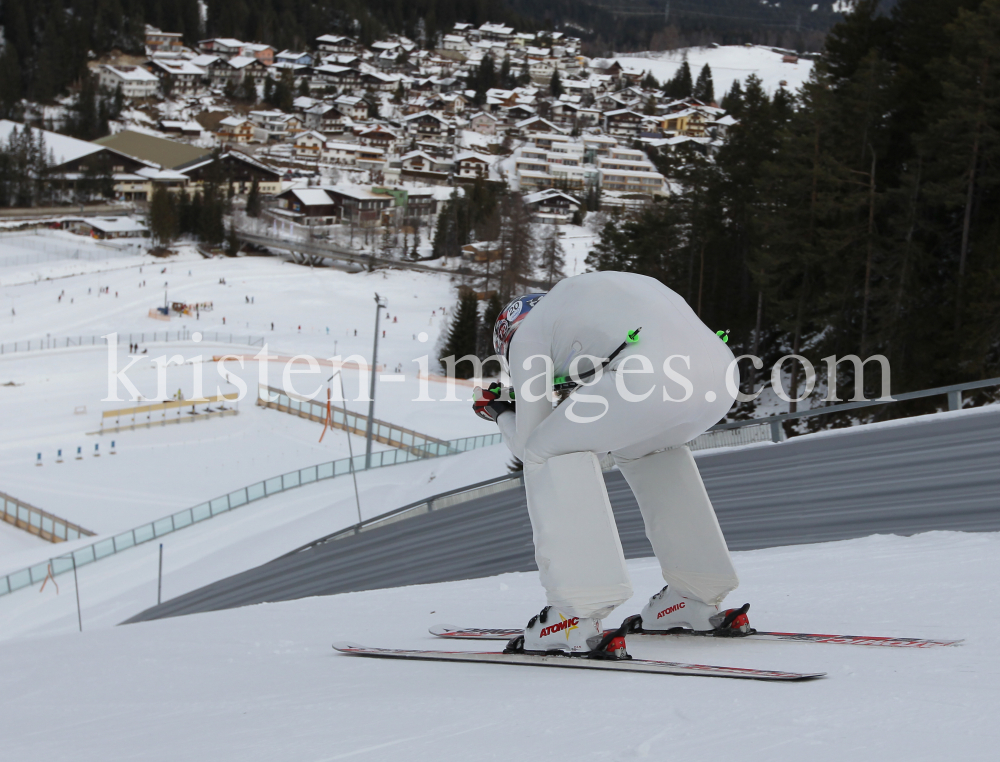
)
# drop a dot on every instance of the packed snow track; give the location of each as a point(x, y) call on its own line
point(938, 472)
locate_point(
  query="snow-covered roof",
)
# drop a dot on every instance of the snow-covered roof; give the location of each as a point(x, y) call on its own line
point(471, 156)
point(204, 60)
point(233, 121)
point(239, 62)
point(131, 73)
point(116, 224)
point(228, 42)
point(546, 194)
point(496, 28)
point(310, 134)
point(333, 39)
point(353, 191)
point(181, 67)
point(312, 196)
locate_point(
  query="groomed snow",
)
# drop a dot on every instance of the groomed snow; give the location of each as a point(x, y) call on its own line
point(728, 62)
point(262, 683)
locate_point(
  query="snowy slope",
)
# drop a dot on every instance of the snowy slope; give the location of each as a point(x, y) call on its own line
point(728, 62)
point(262, 683)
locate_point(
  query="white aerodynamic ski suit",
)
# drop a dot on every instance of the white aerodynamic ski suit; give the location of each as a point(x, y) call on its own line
point(630, 412)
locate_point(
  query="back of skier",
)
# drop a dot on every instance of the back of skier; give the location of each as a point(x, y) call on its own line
point(665, 385)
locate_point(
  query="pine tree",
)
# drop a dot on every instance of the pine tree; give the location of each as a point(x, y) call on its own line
point(681, 84)
point(732, 102)
point(555, 85)
point(552, 262)
point(463, 333)
point(704, 90)
point(163, 222)
point(253, 200)
point(649, 82)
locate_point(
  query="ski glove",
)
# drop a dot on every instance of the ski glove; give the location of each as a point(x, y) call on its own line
point(487, 403)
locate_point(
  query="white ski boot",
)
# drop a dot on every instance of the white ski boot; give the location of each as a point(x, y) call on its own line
point(551, 630)
point(669, 610)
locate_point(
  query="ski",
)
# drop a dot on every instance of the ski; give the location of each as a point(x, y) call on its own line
point(574, 662)
point(449, 631)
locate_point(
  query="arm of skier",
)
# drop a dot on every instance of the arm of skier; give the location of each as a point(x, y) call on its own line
point(532, 383)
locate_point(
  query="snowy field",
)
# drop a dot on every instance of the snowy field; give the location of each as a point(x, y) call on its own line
point(262, 683)
point(728, 62)
point(164, 469)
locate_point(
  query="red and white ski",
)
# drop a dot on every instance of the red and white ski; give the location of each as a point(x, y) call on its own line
point(449, 631)
point(571, 662)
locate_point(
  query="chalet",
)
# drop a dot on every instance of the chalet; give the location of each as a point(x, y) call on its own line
point(420, 161)
point(107, 228)
point(330, 43)
point(497, 32)
point(263, 53)
point(536, 124)
point(420, 203)
point(379, 82)
point(340, 153)
point(472, 165)
point(359, 207)
point(622, 122)
point(306, 206)
point(271, 121)
point(134, 81)
point(294, 124)
point(519, 112)
point(552, 206)
point(163, 42)
point(234, 129)
point(427, 125)
point(220, 72)
point(483, 123)
point(308, 146)
point(455, 42)
point(690, 122)
point(352, 106)
point(324, 118)
point(235, 169)
point(179, 77)
point(221, 46)
point(379, 138)
point(336, 76)
point(247, 66)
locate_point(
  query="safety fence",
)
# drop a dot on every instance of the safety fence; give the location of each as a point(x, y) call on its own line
point(341, 418)
point(145, 337)
point(175, 522)
point(36, 521)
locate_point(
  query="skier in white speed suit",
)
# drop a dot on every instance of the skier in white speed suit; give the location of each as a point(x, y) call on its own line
point(666, 385)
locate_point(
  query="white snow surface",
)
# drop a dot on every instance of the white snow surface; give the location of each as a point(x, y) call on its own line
point(262, 682)
point(728, 62)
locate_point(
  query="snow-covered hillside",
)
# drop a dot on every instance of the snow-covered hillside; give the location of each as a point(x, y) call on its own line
point(728, 62)
point(262, 683)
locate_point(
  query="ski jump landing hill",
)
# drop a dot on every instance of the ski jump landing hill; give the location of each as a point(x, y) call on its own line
point(935, 472)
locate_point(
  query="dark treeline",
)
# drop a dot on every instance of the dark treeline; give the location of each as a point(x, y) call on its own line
point(857, 217)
